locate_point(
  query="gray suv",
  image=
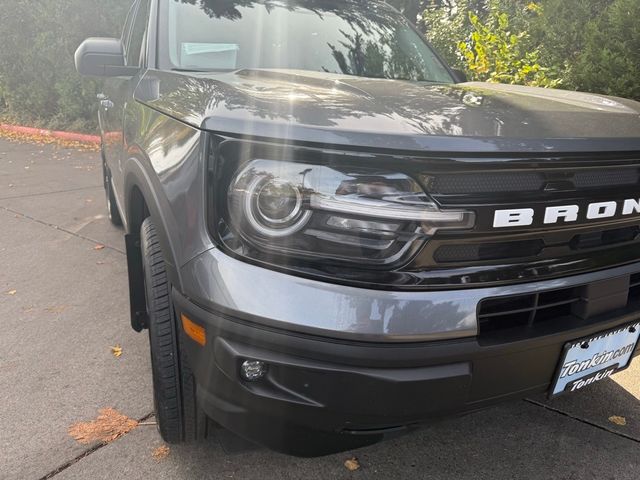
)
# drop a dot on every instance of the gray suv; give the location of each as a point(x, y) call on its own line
point(332, 236)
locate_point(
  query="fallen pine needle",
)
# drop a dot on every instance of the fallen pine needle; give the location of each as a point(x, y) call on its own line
point(352, 464)
point(161, 452)
point(621, 421)
point(109, 426)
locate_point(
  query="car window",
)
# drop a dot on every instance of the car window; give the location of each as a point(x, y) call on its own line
point(138, 33)
point(353, 37)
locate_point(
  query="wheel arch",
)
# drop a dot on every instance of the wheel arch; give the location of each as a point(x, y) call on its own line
point(143, 200)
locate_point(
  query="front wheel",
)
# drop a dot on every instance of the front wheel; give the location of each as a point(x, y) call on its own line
point(177, 413)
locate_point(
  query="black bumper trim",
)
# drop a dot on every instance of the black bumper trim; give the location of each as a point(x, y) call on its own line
point(323, 396)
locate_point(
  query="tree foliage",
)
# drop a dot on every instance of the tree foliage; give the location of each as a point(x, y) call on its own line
point(610, 61)
point(590, 45)
point(495, 53)
point(38, 81)
point(560, 32)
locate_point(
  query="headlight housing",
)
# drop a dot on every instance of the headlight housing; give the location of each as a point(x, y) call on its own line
point(289, 213)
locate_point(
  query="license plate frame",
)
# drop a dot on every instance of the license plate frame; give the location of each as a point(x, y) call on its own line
point(575, 354)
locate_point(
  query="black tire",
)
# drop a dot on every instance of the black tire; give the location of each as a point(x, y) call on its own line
point(174, 390)
point(112, 207)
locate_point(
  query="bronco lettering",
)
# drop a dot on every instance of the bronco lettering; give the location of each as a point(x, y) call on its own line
point(525, 217)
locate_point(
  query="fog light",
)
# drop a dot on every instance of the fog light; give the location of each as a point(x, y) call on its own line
point(253, 370)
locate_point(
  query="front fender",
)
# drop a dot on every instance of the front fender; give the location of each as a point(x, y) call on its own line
point(143, 199)
point(164, 178)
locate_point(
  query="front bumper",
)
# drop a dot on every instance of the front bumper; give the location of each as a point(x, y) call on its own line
point(326, 393)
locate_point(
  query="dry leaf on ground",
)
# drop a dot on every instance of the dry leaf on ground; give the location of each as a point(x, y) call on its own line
point(618, 420)
point(44, 140)
point(352, 464)
point(12, 292)
point(161, 452)
point(99, 247)
point(109, 426)
point(116, 351)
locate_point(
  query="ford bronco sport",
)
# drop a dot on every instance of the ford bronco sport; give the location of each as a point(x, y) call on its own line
point(331, 236)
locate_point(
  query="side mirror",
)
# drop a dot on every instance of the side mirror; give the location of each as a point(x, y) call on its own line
point(102, 57)
point(459, 76)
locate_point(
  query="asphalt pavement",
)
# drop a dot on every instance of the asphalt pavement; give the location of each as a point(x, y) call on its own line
point(63, 305)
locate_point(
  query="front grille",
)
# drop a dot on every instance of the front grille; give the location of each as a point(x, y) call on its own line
point(530, 181)
point(451, 253)
point(500, 182)
point(582, 303)
point(634, 288)
point(606, 178)
point(526, 310)
point(543, 248)
point(488, 251)
point(605, 238)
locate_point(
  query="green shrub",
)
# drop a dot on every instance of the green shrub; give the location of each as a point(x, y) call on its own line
point(496, 53)
point(38, 81)
point(610, 62)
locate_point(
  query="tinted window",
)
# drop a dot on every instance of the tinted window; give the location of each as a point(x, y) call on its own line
point(350, 37)
point(138, 33)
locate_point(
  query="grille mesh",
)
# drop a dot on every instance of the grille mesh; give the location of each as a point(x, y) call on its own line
point(606, 178)
point(529, 181)
point(519, 250)
point(484, 252)
point(485, 183)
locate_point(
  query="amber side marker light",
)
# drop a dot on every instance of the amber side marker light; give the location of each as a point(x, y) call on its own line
point(193, 331)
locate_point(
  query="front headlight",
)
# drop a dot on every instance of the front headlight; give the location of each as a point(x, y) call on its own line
point(283, 212)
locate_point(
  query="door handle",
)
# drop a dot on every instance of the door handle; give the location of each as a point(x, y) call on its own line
point(106, 104)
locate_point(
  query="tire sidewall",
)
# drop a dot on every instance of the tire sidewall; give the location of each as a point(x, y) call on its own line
point(164, 364)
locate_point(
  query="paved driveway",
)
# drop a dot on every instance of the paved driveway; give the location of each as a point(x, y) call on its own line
point(63, 304)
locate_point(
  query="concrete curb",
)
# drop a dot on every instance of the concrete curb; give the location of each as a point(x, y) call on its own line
point(43, 133)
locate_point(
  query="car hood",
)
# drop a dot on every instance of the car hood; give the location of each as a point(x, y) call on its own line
point(392, 114)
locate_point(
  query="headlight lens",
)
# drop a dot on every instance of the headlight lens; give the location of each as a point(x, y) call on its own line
point(283, 211)
point(272, 207)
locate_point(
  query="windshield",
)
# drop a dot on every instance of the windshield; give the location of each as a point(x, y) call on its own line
point(352, 37)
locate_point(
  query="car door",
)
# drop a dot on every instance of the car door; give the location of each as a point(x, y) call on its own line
point(110, 127)
point(119, 91)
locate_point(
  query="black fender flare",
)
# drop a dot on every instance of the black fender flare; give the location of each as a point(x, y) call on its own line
point(137, 181)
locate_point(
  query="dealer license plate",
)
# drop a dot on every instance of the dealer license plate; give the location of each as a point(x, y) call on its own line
point(592, 359)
